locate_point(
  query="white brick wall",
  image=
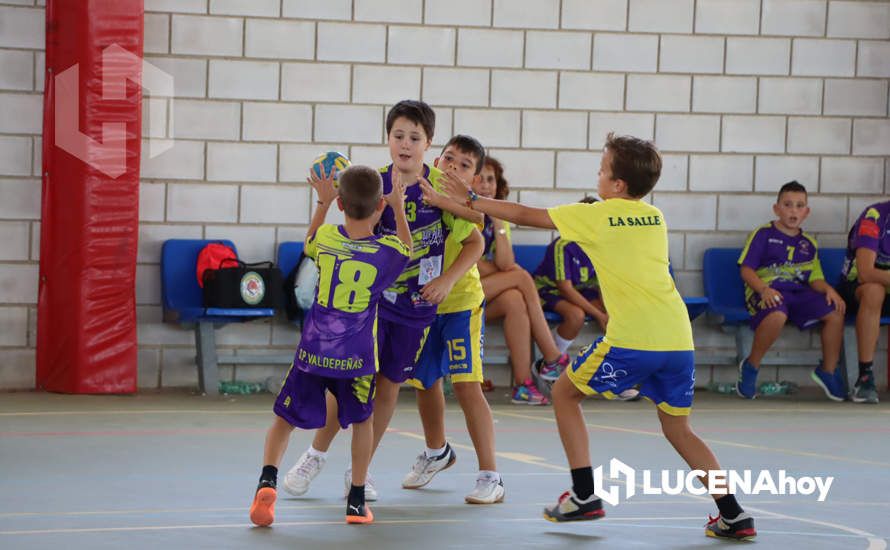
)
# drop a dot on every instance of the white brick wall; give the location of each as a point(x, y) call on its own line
point(793, 17)
point(606, 15)
point(494, 128)
point(557, 50)
point(768, 56)
point(740, 95)
point(490, 48)
point(727, 16)
point(198, 35)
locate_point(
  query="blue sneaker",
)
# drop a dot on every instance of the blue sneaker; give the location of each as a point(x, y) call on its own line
point(829, 384)
point(747, 385)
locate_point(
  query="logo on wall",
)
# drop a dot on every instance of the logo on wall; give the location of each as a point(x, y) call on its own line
point(253, 288)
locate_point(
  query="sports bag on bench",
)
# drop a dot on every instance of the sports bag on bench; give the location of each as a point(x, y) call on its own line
point(241, 285)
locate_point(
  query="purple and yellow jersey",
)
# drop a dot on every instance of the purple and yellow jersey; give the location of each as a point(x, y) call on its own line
point(429, 226)
point(781, 261)
point(871, 231)
point(339, 337)
point(565, 261)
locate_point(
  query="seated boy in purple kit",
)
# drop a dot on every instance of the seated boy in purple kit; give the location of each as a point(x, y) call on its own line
point(864, 285)
point(784, 280)
point(338, 346)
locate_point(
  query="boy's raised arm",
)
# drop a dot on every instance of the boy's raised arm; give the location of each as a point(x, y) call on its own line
point(396, 200)
point(445, 202)
point(326, 193)
point(503, 210)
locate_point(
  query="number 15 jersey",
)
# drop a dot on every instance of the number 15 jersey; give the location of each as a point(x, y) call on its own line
point(339, 337)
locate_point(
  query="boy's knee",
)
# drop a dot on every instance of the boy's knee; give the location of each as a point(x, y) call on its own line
point(466, 390)
point(564, 390)
point(574, 315)
point(513, 300)
point(871, 294)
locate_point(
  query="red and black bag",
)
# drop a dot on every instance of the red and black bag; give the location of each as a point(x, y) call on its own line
point(230, 283)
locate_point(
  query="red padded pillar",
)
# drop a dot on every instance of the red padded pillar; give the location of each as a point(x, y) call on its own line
point(86, 325)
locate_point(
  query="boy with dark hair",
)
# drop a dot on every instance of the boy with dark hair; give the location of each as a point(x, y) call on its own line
point(409, 305)
point(454, 347)
point(783, 280)
point(864, 285)
point(648, 339)
point(337, 354)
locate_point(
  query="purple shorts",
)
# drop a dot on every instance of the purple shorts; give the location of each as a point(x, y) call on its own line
point(301, 401)
point(398, 349)
point(549, 300)
point(804, 307)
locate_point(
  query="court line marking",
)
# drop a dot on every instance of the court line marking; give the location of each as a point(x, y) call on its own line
point(874, 542)
point(653, 433)
point(244, 525)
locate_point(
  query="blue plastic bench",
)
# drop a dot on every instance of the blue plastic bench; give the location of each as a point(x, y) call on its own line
point(182, 300)
point(530, 256)
point(289, 253)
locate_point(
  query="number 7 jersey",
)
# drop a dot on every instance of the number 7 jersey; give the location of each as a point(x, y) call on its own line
point(339, 338)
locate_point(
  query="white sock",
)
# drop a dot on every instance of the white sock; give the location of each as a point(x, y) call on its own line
point(489, 474)
point(561, 343)
point(433, 453)
point(315, 452)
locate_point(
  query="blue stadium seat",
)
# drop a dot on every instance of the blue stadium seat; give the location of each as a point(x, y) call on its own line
point(183, 303)
point(723, 284)
point(289, 253)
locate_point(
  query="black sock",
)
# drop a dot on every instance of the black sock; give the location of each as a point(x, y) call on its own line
point(865, 369)
point(269, 477)
point(356, 495)
point(729, 507)
point(582, 482)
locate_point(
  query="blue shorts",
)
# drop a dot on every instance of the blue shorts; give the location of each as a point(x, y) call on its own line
point(667, 378)
point(454, 346)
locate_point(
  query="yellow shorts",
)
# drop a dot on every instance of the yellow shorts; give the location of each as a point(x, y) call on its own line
point(453, 346)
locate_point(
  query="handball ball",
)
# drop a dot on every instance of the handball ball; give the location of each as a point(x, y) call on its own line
point(330, 162)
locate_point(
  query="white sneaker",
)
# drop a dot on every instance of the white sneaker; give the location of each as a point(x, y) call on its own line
point(298, 478)
point(370, 489)
point(426, 468)
point(630, 394)
point(487, 491)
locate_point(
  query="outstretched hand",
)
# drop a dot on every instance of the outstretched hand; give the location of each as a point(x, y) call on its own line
point(396, 198)
point(324, 186)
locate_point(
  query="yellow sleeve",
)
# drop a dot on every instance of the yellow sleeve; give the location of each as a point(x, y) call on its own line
point(396, 243)
point(576, 222)
point(311, 248)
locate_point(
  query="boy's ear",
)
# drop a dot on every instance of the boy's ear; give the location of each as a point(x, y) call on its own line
point(381, 204)
point(429, 141)
point(776, 209)
point(340, 203)
point(436, 162)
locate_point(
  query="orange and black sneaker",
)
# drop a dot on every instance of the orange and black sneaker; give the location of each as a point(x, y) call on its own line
point(739, 528)
point(262, 511)
point(359, 514)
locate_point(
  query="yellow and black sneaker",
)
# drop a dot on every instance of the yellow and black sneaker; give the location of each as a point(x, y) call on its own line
point(739, 528)
point(571, 508)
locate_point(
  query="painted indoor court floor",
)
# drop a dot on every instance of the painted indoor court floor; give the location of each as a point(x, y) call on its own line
point(173, 470)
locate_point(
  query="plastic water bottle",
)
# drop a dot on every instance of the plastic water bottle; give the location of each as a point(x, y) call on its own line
point(722, 387)
point(237, 387)
point(772, 388)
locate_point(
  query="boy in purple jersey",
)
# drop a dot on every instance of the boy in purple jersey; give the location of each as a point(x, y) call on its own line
point(783, 280)
point(567, 285)
point(409, 305)
point(865, 283)
point(338, 352)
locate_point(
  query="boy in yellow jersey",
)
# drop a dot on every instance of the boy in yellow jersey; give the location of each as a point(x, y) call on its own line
point(454, 347)
point(648, 340)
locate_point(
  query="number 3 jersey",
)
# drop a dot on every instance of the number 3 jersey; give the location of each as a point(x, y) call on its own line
point(430, 227)
point(339, 337)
